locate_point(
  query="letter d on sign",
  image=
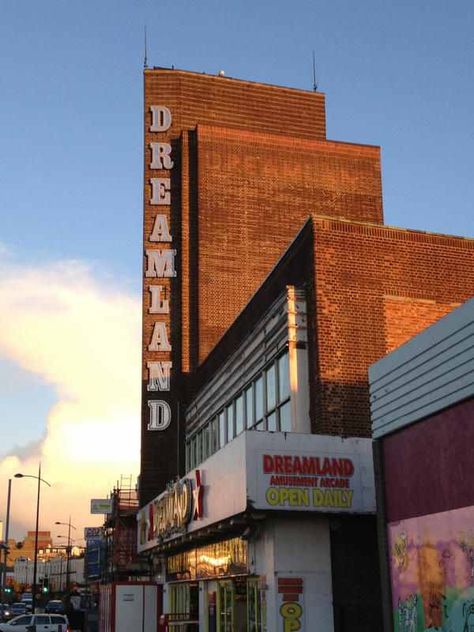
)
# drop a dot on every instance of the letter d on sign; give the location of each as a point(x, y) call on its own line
point(160, 118)
point(160, 415)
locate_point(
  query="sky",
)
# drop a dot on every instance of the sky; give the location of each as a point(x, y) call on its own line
point(397, 74)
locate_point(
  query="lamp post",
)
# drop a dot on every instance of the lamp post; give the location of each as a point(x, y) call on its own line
point(5, 543)
point(68, 550)
point(35, 563)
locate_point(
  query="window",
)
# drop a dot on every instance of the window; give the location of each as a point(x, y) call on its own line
point(285, 417)
point(222, 433)
point(41, 619)
point(214, 435)
point(188, 456)
point(193, 452)
point(239, 414)
point(22, 621)
point(230, 422)
point(263, 405)
point(283, 378)
point(205, 442)
point(272, 422)
point(271, 388)
point(259, 399)
point(198, 448)
point(249, 410)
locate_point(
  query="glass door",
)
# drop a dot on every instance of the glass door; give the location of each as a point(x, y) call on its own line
point(183, 607)
point(256, 614)
point(225, 607)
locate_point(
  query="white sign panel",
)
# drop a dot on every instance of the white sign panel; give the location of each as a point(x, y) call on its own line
point(101, 505)
point(312, 473)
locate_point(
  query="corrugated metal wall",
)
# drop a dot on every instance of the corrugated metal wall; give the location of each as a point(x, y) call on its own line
point(430, 372)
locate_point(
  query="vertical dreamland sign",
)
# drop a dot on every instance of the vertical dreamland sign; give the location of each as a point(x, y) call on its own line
point(160, 430)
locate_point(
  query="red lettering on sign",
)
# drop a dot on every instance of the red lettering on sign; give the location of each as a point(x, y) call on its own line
point(267, 464)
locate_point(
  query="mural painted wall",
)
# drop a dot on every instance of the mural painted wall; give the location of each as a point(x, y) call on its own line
point(432, 572)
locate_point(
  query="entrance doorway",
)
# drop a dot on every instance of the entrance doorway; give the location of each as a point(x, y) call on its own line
point(239, 605)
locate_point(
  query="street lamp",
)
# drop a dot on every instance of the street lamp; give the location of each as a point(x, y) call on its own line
point(35, 564)
point(68, 550)
point(5, 542)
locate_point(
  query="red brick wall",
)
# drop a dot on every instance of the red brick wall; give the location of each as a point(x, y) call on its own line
point(206, 99)
point(255, 192)
point(405, 317)
point(360, 270)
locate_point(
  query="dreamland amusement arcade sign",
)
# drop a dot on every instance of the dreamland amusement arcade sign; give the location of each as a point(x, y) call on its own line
point(160, 264)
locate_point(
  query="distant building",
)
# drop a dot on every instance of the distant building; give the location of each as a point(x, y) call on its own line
point(26, 547)
point(53, 568)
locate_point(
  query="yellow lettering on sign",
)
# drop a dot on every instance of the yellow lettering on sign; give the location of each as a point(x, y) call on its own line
point(287, 497)
point(291, 612)
point(339, 498)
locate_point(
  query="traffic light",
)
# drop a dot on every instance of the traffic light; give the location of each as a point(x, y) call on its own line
point(8, 589)
point(45, 582)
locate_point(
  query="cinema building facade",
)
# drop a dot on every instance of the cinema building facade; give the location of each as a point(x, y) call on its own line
point(270, 286)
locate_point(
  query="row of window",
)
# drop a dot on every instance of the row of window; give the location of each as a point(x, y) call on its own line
point(263, 405)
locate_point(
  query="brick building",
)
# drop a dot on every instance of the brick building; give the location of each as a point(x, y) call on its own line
point(255, 223)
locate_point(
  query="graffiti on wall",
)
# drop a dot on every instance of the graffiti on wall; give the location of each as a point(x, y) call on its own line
point(432, 572)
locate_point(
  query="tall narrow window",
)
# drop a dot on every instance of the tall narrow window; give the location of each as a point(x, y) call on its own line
point(239, 414)
point(259, 399)
point(222, 430)
point(285, 417)
point(230, 422)
point(249, 409)
point(214, 440)
point(272, 421)
point(271, 388)
point(283, 378)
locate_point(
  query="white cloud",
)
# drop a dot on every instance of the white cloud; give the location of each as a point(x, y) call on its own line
point(82, 337)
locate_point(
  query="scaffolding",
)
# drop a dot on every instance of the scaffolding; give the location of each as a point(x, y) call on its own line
point(121, 531)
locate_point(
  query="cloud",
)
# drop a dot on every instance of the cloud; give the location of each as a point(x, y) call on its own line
point(81, 337)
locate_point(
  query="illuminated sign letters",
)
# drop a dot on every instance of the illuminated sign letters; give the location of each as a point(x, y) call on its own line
point(160, 118)
point(159, 376)
point(168, 514)
point(160, 415)
point(158, 304)
point(159, 264)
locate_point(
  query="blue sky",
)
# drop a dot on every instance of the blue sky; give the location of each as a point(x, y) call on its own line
point(396, 74)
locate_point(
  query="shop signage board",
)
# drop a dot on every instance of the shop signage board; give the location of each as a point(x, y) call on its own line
point(92, 533)
point(308, 480)
point(267, 471)
point(315, 473)
point(101, 505)
point(168, 515)
point(217, 492)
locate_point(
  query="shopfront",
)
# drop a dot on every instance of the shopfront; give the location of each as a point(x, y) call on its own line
point(244, 543)
point(209, 589)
